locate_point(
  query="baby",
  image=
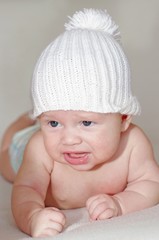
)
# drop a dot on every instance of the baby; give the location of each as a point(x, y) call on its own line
point(83, 150)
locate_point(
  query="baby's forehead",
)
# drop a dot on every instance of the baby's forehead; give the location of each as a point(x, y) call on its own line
point(76, 114)
point(70, 113)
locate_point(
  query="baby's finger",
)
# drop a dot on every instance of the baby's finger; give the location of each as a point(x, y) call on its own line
point(57, 216)
point(108, 213)
point(47, 233)
point(55, 225)
point(48, 228)
point(91, 199)
point(93, 204)
point(97, 210)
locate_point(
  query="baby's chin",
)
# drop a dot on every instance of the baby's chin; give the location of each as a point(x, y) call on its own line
point(85, 167)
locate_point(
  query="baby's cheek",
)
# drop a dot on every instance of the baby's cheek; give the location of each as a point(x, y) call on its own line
point(109, 148)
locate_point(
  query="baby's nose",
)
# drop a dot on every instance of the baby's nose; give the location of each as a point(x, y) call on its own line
point(71, 137)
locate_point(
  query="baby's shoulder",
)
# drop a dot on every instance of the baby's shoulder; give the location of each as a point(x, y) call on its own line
point(138, 143)
point(136, 135)
point(141, 155)
point(134, 140)
point(36, 151)
point(36, 139)
point(36, 145)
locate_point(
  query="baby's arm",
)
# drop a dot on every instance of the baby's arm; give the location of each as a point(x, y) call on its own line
point(29, 193)
point(142, 190)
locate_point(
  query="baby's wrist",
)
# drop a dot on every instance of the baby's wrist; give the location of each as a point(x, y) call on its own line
point(118, 206)
point(33, 221)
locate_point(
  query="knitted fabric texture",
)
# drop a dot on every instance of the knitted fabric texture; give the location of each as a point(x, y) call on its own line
point(84, 68)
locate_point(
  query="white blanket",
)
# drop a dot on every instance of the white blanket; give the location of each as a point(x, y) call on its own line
point(142, 225)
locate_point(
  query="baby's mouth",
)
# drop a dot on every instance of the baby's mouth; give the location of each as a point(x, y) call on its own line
point(76, 158)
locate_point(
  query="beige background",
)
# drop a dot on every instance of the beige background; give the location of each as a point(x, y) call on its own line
point(28, 26)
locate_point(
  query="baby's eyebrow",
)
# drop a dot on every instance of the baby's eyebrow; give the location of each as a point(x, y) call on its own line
point(91, 116)
point(47, 117)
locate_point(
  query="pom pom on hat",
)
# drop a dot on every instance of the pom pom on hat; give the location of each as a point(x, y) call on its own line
point(92, 19)
point(85, 68)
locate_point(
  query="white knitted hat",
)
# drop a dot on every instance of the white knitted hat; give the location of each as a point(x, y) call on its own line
point(84, 68)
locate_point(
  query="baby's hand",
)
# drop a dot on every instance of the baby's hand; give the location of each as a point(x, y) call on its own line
point(102, 207)
point(47, 222)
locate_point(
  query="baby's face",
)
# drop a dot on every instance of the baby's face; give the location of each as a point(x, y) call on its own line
point(81, 139)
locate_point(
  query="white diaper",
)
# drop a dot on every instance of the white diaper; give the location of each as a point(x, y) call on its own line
point(18, 144)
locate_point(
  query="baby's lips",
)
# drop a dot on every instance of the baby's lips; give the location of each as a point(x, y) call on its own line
point(77, 155)
point(76, 158)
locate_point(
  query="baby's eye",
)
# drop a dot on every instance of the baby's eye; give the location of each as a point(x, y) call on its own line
point(87, 123)
point(54, 123)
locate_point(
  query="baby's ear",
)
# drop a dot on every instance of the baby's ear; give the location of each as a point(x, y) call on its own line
point(126, 120)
